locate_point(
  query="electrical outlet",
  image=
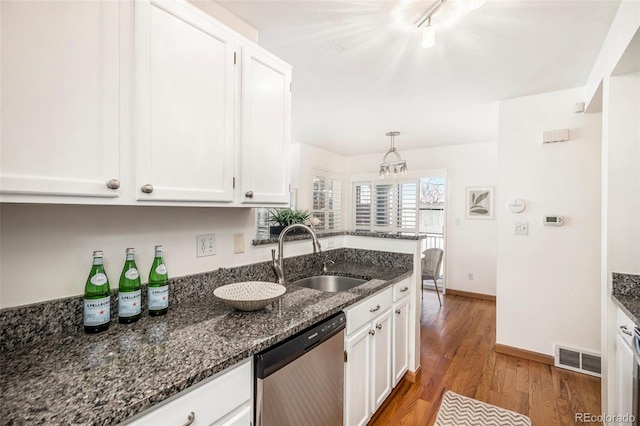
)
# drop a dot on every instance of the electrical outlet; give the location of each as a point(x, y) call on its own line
point(205, 245)
point(238, 243)
point(521, 228)
point(470, 276)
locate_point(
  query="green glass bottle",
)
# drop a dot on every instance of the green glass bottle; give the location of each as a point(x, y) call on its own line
point(97, 297)
point(129, 294)
point(158, 285)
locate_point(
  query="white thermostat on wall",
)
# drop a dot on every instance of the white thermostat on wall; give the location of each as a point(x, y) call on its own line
point(516, 205)
point(553, 220)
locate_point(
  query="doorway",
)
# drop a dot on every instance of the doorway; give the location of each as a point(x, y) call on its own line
point(432, 219)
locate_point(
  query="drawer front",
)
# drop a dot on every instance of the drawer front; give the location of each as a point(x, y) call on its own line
point(625, 326)
point(364, 311)
point(401, 289)
point(208, 402)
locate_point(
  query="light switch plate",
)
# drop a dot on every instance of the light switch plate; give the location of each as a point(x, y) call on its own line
point(238, 243)
point(521, 228)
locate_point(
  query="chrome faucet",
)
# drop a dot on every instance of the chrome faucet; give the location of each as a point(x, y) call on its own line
point(278, 264)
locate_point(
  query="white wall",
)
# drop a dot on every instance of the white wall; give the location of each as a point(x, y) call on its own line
point(548, 282)
point(471, 244)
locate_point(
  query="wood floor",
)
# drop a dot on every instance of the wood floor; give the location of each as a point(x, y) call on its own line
point(457, 353)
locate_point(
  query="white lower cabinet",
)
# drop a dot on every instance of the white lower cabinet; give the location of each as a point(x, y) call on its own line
point(400, 339)
point(369, 344)
point(624, 376)
point(224, 399)
point(625, 364)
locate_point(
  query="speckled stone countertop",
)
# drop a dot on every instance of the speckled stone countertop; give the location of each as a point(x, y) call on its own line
point(626, 294)
point(396, 235)
point(109, 377)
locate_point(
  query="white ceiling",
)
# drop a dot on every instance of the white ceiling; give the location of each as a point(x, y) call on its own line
point(359, 69)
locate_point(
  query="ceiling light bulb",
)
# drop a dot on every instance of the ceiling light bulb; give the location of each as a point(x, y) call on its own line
point(475, 4)
point(403, 169)
point(387, 172)
point(395, 171)
point(428, 36)
point(381, 174)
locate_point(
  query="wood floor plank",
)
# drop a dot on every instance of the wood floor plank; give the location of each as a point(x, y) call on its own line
point(457, 353)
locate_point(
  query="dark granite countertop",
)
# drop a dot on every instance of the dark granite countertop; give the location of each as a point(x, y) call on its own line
point(626, 294)
point(324, 234)
point(109, 377)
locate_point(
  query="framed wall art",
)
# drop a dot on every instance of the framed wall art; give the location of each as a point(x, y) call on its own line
point(479, 203)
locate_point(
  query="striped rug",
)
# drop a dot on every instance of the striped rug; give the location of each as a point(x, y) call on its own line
point(458, 410)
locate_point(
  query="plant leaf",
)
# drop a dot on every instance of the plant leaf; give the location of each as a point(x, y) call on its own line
point(479, 210)
point(473, 198)
point(482, 197)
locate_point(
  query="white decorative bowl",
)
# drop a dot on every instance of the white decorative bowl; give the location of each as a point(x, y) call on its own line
point(250, 295)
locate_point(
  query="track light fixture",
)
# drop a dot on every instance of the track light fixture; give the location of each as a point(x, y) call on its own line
point(428, 31)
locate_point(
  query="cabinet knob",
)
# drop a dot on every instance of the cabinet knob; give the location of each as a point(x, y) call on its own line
point(398, 311)
point(113, 184)
point(377, 308)
point(190, 418)
point(403, 289)
point(372, 332)
point(379, 326)
point(147, 189)
point(248, 194)
point(625, 330)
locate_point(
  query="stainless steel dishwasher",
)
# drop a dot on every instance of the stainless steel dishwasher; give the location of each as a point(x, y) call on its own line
point(301, 380)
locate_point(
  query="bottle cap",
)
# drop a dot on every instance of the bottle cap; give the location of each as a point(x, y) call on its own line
point(131, 250)
point(158, 248)
point(97, 253)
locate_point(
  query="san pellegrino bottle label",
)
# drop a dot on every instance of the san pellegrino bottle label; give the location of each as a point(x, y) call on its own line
point(161, 269)
point(129, 303)
point(132, 274)
point(158, 297)
point(99, 279)
point(97, 311)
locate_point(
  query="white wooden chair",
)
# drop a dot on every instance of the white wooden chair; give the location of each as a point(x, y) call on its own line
point(431, 264)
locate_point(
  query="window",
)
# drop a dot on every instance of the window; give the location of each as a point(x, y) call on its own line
point(326, 200)
point(387, 207)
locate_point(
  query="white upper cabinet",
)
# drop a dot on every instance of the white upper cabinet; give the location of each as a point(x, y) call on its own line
point(145, 102)
point(60, 99)
point(184, 104)
point(266, 127)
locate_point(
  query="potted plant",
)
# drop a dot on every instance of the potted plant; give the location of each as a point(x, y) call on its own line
point(281, 218)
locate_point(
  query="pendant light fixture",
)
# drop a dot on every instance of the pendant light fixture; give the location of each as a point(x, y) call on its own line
point(397, 165)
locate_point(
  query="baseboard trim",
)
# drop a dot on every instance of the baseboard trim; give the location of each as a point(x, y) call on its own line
point(411, 376)
point(523, 353)
point(454, 292)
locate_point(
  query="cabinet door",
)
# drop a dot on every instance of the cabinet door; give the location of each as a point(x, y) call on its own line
point(400, 340)
point(184, 104)
point(624, 376)
point(224, 400)
point(60, 98)
point(381, 372)
point(357, 378)
point(266, 128)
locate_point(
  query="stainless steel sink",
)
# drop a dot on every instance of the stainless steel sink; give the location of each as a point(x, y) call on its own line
point(330, 283)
